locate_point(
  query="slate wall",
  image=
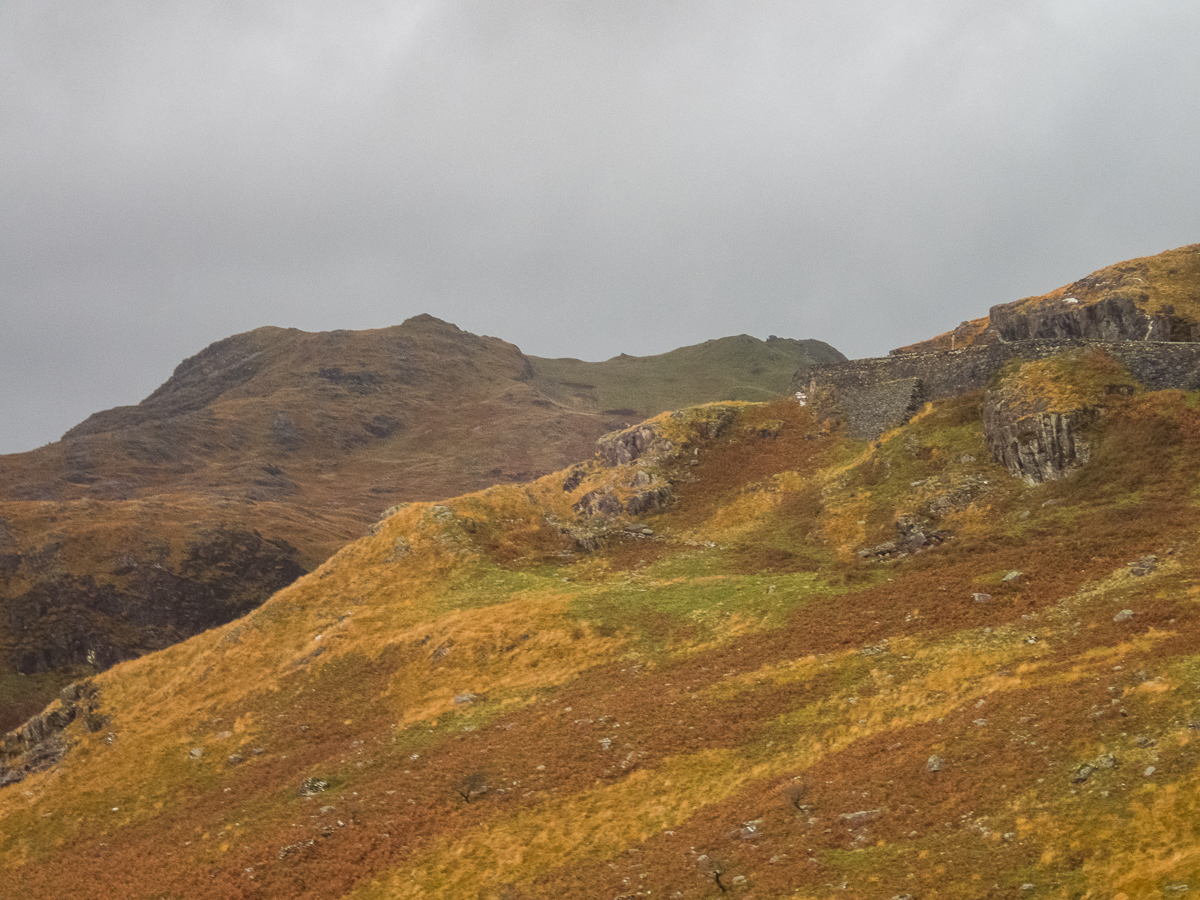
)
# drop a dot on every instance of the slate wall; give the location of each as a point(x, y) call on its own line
point(879, 393)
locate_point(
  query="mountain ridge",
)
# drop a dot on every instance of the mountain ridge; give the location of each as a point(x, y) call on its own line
point(267, 451)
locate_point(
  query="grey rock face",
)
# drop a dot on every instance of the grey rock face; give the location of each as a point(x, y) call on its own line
point(598, 503)
point(1036, 446)
point(1115, 318)
point(647, 501)
point(868, 391)
point(623, 447)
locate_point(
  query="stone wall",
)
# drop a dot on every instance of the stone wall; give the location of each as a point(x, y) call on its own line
point(880, 392)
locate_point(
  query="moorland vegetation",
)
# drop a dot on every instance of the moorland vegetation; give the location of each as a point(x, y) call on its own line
point(725, 697)
point(739, 653)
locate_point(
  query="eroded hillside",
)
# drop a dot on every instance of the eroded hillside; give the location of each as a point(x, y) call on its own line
point(268, 451)
point(737, 655)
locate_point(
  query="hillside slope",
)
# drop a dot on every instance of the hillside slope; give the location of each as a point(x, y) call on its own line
point(266, 452)
point(1154, 298)
point(737, 655)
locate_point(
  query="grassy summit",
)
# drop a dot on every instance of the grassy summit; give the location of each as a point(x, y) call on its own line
point(732, 368)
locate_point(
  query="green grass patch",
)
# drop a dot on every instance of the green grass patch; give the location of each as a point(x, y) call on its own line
point(702, 608)
point(731, 368)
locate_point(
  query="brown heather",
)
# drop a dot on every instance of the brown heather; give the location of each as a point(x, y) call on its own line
point(736, 706)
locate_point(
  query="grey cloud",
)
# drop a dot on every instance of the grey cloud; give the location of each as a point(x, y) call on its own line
point(582, 179)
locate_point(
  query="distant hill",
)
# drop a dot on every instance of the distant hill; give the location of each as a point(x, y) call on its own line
point(732, 368)
point(1154, 298)
point(267, 451)
point(326, 417)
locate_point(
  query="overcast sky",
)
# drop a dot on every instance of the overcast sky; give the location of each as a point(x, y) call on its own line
point(580, 178)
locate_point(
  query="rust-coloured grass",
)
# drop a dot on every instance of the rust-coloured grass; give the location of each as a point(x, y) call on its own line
point(724, 708)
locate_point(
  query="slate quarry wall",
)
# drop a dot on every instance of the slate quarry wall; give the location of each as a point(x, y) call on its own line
point(879, 393)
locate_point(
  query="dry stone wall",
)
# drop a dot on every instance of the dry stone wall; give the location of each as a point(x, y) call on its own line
point(882, 392)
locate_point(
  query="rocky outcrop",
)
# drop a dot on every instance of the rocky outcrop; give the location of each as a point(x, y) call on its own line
point(650, 499)
point(1117, 317)
point(647, 465)
point(605, 502)
point(647, 441)
point(1037, 446)
point(600, 502)
point(1154, 298)
point(42, 741)
point(622, 447)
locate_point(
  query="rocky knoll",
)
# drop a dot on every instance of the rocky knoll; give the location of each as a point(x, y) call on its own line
point(650, 459)
point(1154, 298)
point(1037, 417)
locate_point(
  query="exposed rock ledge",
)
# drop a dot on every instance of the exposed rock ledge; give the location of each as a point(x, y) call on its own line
point(1118, 317)
point(41, 742)
point(636, 469)
point(1041, 446)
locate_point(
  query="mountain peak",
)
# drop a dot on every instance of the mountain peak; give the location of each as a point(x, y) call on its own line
point(427, 322)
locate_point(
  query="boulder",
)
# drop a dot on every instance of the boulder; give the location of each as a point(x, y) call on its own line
point(623, 447)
